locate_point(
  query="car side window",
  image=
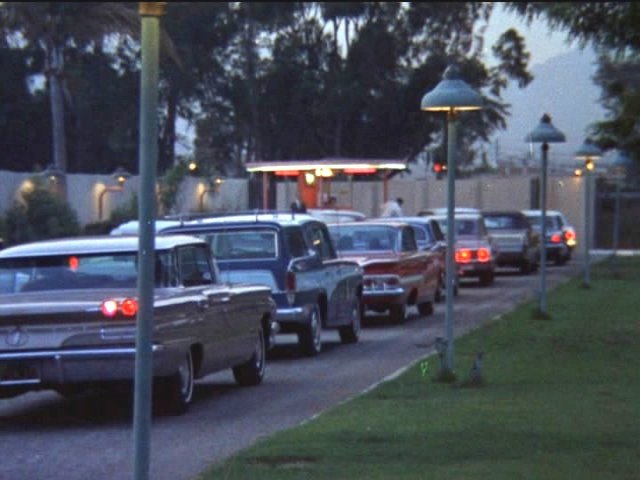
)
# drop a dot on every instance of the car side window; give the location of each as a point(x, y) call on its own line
point(320, 241)
point(195, 266)
point(408, 240)
point(295, 242)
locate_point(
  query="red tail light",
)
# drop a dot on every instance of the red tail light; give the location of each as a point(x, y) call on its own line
point(556, 238)
point(569, 235)
point(463, 255)
point(127, 307)
point(484, 255)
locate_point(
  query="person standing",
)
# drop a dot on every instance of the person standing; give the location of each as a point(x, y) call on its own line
point(393, 208)
point(298, 206)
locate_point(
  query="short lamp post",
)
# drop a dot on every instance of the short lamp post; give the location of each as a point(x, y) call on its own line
point(452, 95)
point(588, 153)
point(55, 177)
point(544, 134)
point(121, 176)
point(214, 188)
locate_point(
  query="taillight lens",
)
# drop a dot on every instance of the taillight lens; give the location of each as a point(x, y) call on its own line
point(484, 255)
point(463, 255)
point(109, 308)
point(127, 307)
point(570, 238)
point(556, 238)
point(290, 286)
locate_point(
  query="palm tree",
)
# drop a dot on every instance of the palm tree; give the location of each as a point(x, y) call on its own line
point(55, 27)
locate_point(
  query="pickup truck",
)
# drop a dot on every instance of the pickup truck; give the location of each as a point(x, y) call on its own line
point(517, 244)
point(292, 253)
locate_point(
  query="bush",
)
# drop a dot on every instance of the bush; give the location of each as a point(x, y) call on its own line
point(41, 215)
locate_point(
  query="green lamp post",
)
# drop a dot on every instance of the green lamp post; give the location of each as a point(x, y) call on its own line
point(588, 153)
point(545, 133)
point(452, 96)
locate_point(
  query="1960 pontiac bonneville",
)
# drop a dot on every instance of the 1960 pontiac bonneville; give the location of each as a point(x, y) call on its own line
point(68, 317)
point(396, 273)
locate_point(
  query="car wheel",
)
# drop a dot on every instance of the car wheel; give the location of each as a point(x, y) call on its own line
point(177, 390)
point(425, 308)
point(398, 313)
point(525, 267)
point(311, 337)
point(351, 333)
point(252, 372)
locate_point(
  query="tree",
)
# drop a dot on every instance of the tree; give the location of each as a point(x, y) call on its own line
point(54, 27)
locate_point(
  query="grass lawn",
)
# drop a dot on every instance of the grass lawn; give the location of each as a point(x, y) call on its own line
point(560, 400)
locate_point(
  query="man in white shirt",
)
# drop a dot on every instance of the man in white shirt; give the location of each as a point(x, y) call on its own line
point(393, 208)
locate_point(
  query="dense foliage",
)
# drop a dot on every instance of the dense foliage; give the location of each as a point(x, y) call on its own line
point(258, 81)
point(41, 214)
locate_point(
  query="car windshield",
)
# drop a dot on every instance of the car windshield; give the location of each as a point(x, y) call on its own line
point(505, 222)
point(358, 238)
point(80, 272)
point(535, 221)
point(464, 227)
point(243, 244)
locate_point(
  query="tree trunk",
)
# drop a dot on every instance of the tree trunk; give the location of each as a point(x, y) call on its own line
point(55, 67)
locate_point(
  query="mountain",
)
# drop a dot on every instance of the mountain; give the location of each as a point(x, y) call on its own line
point(563, 88)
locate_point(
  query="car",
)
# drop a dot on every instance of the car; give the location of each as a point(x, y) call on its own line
point(68, 313)
point(429, 237)
point(397, 273)
point(292, 254)
point(443, 211)
point(336, 215)
point(516, 241)
point(560, 235)
point(475, 253)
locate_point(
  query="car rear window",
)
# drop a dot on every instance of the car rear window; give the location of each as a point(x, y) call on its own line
point(249, 244)
point(78, 272)
point(355, 237)
point(505, 222)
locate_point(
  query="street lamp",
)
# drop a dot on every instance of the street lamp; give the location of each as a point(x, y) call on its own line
point(55, 176)
point(216, 183)
point(589, 153)
point(544, 133)
point(121, 176)
point(452, 95)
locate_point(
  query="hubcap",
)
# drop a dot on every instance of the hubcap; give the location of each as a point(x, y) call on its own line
point(186, 378)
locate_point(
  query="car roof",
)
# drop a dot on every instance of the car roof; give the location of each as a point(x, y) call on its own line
point(443, 211)
point(94, 244)
point(131, 227)
point(393, 222)
point(539, 212)
point(461, 216)
point(280, 218)
point(488, 213)
point(409, 219)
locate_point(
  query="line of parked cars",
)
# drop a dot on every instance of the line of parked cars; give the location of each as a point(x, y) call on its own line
point(227, 285)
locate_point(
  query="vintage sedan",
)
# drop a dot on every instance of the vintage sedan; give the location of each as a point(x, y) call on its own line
point(475, 253)
point(560, 235)
point(68, 312)
point(396, 272)
point(516, 240)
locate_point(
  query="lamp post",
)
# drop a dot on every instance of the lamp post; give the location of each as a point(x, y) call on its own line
point(589, 153)
point(121, 176)
point(544, 133)
point(56, 179)
point(452, 95)
point(150, 13)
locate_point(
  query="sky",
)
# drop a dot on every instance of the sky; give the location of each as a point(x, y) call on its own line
point(562, 87)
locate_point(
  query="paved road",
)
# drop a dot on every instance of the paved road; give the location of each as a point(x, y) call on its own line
point(44, 436)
